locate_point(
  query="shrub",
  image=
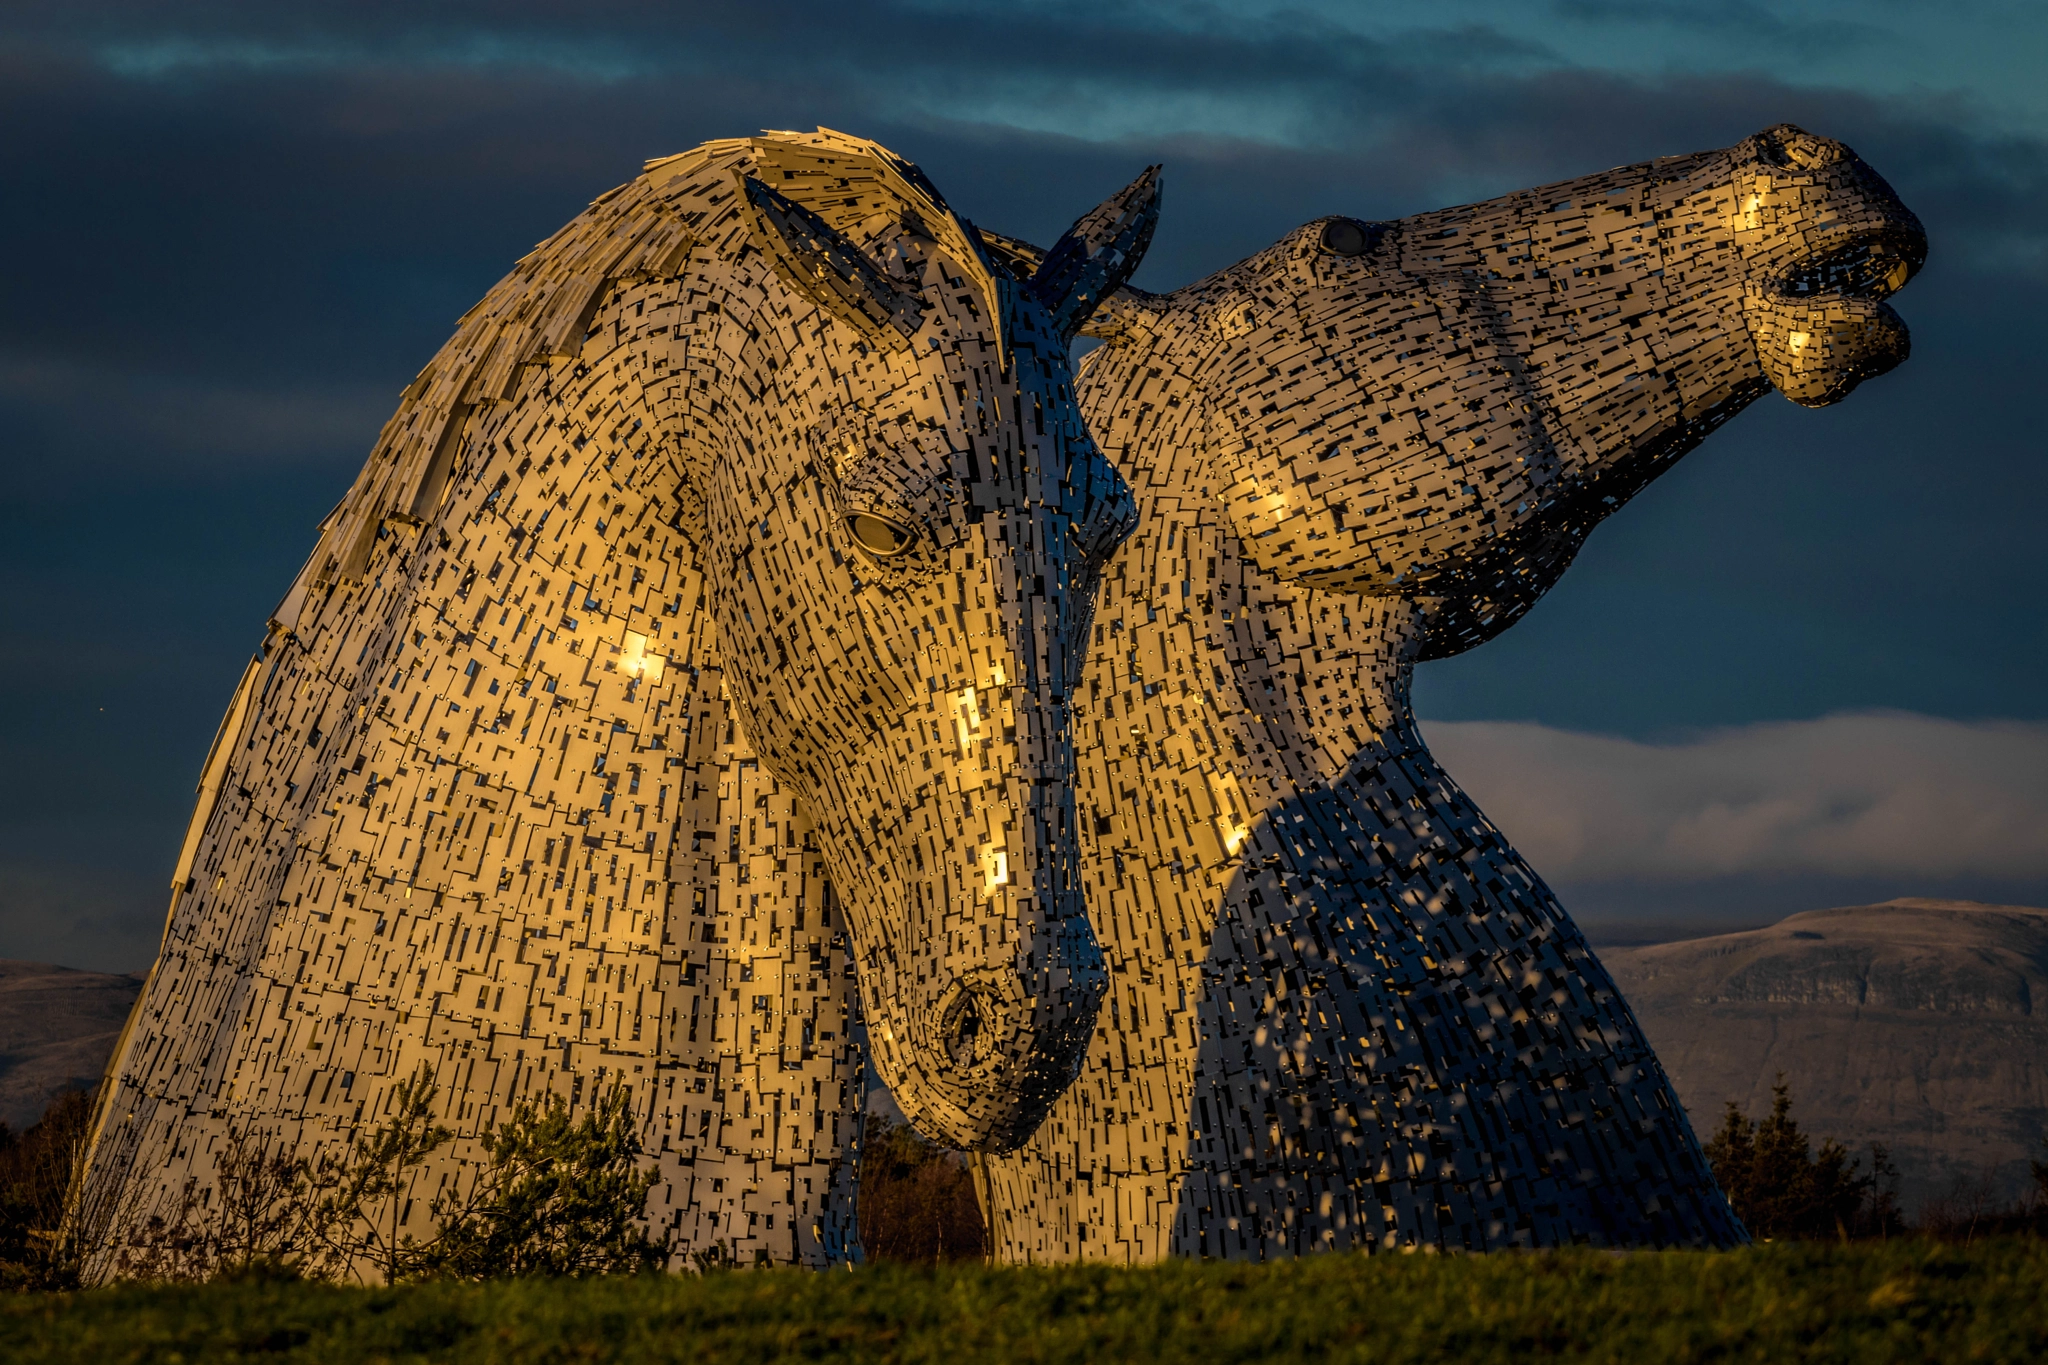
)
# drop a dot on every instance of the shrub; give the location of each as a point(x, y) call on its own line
point(917, 1200)
point(264, 1225)
point(366, 1196)
point(1976, 1204)
point(561, 1197)
point(269, 1213)
point(35, 1176)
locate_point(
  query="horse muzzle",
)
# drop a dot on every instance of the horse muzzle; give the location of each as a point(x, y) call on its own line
point(998, 1046)
point(984, 998)
point(1816, 350)
point(1826, 242)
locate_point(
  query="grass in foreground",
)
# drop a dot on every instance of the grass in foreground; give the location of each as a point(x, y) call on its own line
point(1901, 1301)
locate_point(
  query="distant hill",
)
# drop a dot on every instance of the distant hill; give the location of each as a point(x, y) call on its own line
point(57, 1030)
point(1921, 1024)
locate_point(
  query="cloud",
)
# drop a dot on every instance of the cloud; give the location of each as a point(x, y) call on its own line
point(243, 227)
point(289, 215)
point(202, 422)
point(111, 921)
point(1870, 794)
point(1737, 21)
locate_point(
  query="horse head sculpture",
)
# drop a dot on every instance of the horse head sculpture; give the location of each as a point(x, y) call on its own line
point(766, 449)
point(907, 523)
point(1355, 1016)
point(1444, 358)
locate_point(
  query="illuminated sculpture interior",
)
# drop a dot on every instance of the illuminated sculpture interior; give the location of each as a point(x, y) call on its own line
point(497, 799)
point(726, 546)
point(1342, 1011)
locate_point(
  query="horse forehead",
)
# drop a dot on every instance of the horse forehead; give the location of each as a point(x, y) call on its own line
point(960, 417)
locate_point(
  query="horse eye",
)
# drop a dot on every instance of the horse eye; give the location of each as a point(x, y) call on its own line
point(878, 535)
point(1342, 237)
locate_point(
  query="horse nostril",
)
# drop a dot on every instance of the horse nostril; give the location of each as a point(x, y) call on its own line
point(1811, 153)
point(962, 1031)
point(1347, 237)
point(1787, 145)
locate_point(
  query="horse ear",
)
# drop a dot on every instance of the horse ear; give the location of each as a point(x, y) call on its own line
point(1126, 315)
point(1018, 256)
point(813, 258)
point(1097, 254)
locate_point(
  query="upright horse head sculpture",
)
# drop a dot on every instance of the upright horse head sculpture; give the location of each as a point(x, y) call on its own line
point(766, 428)
point(1578, 338)
point(1342, 1010)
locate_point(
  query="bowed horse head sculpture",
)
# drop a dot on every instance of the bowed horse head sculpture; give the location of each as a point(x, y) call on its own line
point(1357, 1017)
point(906, 519)
point(763, 448)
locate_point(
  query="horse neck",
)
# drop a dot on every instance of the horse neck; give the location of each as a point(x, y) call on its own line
point(634, 476)
point(1324, 672)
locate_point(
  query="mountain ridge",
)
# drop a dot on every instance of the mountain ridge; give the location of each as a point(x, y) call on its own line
point(1918, 1023)
point(58, 1027)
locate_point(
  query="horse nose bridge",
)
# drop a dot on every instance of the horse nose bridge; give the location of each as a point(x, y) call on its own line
point(1006, 965)
point(1040, 568)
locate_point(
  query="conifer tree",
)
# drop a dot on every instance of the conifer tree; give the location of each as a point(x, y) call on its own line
point(562, 1196)
point(1782, 1188)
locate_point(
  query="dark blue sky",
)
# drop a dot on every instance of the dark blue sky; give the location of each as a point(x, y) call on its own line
point(233, 232)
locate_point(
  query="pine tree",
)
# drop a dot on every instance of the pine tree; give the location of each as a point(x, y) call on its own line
point(368, 1194)
point(1781, 1188)
point(561, 1197)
